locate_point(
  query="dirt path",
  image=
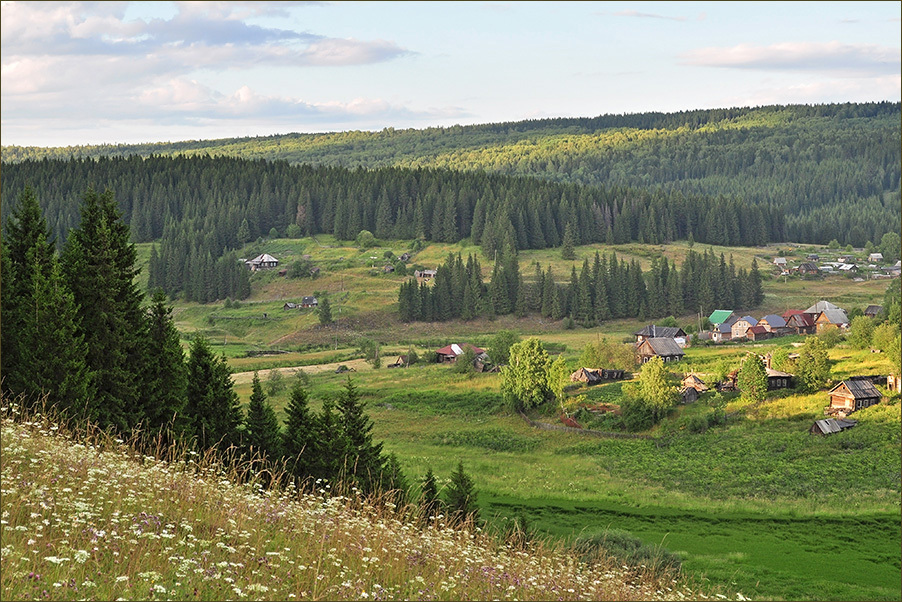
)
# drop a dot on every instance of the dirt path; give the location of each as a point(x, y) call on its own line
point(359, 365)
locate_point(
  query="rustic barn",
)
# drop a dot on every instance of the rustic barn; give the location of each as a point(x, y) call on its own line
point(584, 375)
point(828, 426)
point(449, 353)
point(388, 269)
point(665, 348)
point(851, 395)
point(780, 262)
point(653, 331)
point(405, 257)
point(263, 261)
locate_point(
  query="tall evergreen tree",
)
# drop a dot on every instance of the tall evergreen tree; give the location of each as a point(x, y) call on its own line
point(212, 403)
point(331, 444)
point(300, 442)
point(261, 433)
point(430, 503)
point(167, 376)
point(99, 263)
point(461, 496)
point(362, 459)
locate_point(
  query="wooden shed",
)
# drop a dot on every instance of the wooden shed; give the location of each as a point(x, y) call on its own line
point(851, 395)
point(828, 426)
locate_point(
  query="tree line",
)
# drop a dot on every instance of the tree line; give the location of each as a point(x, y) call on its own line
point(834, 170)
point(605, 289)
point(200, 209)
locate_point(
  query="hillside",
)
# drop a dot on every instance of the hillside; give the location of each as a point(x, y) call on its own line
point(95, 519)
point(834, 170)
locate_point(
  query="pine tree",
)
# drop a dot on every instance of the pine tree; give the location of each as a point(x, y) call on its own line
point(212, 404)
point(99, 263)
point(461, 497)
point(362, 459)
point(167, 378)
point(261, 434)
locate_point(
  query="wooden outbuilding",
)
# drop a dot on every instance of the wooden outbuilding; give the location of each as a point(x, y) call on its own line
point(693, 381)
point(828, 426)
point(665, 348)
point(851, 395)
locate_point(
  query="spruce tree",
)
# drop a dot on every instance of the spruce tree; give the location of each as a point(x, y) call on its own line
point(362, 459)
point(212, 404)
point(430, 503)
point(299, 437)
point(331, 444)
point(167, 376)
point(392, 481)
point(261, 434)
point(99, 263)
point(567, 248)
point(461, 496)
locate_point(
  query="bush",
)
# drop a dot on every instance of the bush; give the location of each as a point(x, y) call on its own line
point(627, 548)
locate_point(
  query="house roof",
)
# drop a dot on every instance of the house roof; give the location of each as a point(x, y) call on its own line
point(748, 319)
point(821, 306)
point(774, 320)
point(777, 374)
point(757, 330)
point(264, 258)
point(801, 319)
point(860, 389)
point(780, 260)
point(308, 300)
point(835, 316)
point(725, 327)
point(670, 332)
point(873, 309)
point(663, 346)
point(808, 266)
point(455, 349)
point(792, 312)
point(831, 425)
point(719, 316)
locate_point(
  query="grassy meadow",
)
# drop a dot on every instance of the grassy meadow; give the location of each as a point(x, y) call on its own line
point(757, 504)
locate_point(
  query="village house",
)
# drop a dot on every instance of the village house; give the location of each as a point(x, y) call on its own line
point(449, 353)
point(799, 321)
point(777, 379)
point(780, 262)
point(291, 305)
point(388, 269)
point(831, 318)
point(812, 257)
point(668, 332)
point(405, 257)
point(758, 333)
point(403, 361)
point(851, 395)
point(872, 311)
point(665, 348)
point(772, 322)
point(807, 267)
point(875, 257)
point(741, 325)
point(263, 261)
point(595, 376)
point(425, 274)
point(309, 302)
point(722, 332)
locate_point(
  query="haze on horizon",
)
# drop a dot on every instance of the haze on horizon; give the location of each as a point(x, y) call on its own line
point(128, 72)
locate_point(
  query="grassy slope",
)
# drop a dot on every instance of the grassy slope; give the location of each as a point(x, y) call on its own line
point(744, 480)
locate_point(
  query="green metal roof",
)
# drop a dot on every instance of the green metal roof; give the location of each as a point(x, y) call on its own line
point(719, 316)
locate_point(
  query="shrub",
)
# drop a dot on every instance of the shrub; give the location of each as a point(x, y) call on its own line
point(627, 548)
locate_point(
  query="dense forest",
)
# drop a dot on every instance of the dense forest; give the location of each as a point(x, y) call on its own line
point(834, 170)
point(605, 289)
point(202, 208)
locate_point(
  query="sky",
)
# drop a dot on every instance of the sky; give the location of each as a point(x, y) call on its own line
point(130, 72)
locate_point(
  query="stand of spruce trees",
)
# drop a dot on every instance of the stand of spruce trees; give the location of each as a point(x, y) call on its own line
point(605, 289)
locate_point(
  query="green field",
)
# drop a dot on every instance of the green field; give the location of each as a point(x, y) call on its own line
point(757, 505)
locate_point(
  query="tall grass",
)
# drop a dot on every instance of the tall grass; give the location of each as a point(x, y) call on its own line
point(88, 516)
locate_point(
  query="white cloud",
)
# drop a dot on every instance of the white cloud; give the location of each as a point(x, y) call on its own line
point(633, 13)
point(856, 60)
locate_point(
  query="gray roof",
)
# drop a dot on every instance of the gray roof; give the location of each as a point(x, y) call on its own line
point(664, 346)
point(748, 319)
point(831, 425)
point(860, 389)
point(777, 374)
point(670, 332)
point(873, 309)
point(821, 306)
point(836, 316)
point(774, 320)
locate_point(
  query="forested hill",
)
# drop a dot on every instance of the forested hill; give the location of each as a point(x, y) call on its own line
point(835, 170)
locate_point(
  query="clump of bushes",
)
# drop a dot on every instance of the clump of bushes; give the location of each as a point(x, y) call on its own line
point(628, 549)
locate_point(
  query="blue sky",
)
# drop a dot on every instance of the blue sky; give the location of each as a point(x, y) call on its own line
point(109, 72)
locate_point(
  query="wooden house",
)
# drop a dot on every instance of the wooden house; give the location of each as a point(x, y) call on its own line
point(314, 272)
point(872, 311)
point(741, 325)
point(831, 318)
point(812, 257)
point(772, 322)
point(291, 305)
point(309, 302)
point(425, 274)
point(828, 426)
point(799, 321)
point(665, 348)
point(693, 381)
point(894, 382)
point(777, 379)
point(758, 333)
point(449, 353)
point(851, 395)
point(807, 267)
point(263, 261)
point(780, 262)
point(875, 257)
point(668, 332)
